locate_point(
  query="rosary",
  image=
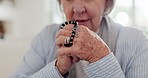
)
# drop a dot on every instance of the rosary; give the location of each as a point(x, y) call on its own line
point(69, 40)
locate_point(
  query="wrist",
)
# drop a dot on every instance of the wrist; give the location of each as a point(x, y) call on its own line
point(62, 72)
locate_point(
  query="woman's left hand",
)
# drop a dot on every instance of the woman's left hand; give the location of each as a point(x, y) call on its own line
point(87, 45)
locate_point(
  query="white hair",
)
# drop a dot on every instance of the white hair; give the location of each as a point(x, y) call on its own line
point(109, 7)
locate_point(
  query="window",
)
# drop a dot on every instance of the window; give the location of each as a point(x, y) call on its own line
point(131, 13)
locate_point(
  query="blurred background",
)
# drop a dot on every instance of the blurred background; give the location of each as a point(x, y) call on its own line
point(21, 20)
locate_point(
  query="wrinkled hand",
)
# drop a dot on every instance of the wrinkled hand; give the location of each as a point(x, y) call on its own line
point(87, 45)
point(64, 61)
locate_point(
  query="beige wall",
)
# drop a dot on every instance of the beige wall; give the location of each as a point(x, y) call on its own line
point(11, 52)
point(29, 18)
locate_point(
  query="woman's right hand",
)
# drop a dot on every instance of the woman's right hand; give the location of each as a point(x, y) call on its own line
point(64, 62)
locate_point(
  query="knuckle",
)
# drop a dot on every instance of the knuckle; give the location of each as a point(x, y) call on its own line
point(83, 27)
point(59, 33)
point(56, 42)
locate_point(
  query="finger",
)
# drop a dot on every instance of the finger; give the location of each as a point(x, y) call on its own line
point(66, 51)
point(75, 59)
point(69, 27)
point(63, 32)
point(60, 40)
point(82, 28)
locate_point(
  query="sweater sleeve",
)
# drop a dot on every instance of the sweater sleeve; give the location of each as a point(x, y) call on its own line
point(107, 67)
point(33, 64)
point(131, 59)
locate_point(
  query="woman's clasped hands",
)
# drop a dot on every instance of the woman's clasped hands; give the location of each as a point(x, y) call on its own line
point(87, 45)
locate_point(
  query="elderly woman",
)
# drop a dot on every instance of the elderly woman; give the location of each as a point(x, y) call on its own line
point(92, 46)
